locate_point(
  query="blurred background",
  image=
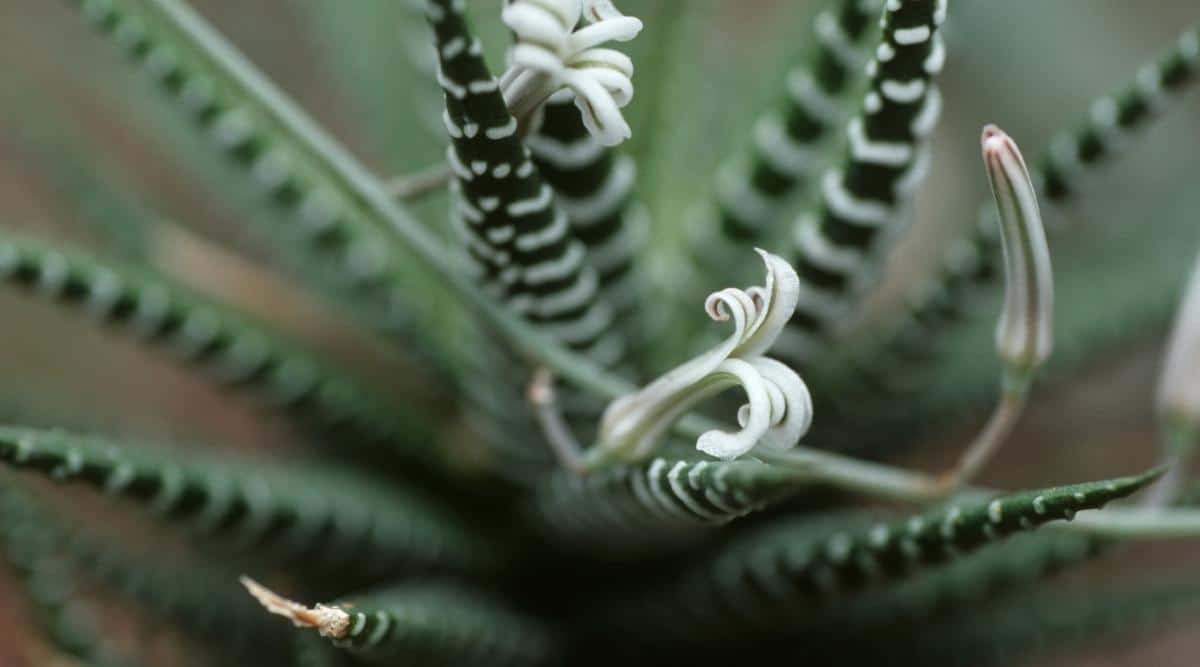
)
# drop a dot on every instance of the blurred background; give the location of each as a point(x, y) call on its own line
point(92, 155)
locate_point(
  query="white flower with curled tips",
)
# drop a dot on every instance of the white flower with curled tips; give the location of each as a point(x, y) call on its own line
point(551, 55)
point(778, 409)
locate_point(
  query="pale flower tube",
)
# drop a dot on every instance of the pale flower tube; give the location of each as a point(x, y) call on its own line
point(1024, 334)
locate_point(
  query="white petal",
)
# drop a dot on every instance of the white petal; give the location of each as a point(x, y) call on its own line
point(724, 445)
point(533, 56)
point(609, 58)
point(601, 115)
point(539, 23)
point(790, 424)
point(600, 10)
point(779, 298)
point(620, 29)
point(619, 87)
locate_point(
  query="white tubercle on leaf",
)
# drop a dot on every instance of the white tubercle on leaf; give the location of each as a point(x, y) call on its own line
point(778, 409)
point(550, 54)
point(1024, 335)
point(1179, 384)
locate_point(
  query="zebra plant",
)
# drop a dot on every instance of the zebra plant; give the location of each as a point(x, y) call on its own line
point(562, 420)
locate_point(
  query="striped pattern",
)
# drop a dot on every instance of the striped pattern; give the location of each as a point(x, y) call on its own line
point(315, 519)
point(204, 599)
point(441, 624)
point(594, 187)
point(664, 498)
point(235, 350)
point(341, 242)
point(1111, 118)
point(49, 583)
point(787, 147)
point(518, 241)
point(802, 564)
point(974, 261)
point(861, 201)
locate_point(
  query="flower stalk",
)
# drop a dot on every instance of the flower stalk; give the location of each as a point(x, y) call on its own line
point(1024, 334)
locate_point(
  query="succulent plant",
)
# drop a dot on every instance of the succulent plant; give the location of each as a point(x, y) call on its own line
point(523, 445)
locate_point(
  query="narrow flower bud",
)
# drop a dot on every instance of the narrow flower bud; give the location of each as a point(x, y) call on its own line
point(1179, 384)
point(1024, 335)
point(1179, 396)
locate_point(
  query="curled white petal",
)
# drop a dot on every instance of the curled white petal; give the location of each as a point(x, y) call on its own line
point(778, 409)
point(618, 29)
point(791, 420)
point(539, 23)
point(1024, 335)
point(551, 55)
point(778, 300)
point(601, 114)
point(600, 10)
point(723, 445)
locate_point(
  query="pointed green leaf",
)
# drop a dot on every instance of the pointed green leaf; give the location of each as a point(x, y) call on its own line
point(806, 564)
point(519, 241)
point(863, 197)
point(205, 600)
point(234, 349)
point(420, 624)
point(663, 499)
point(316, 518)
point(974, 262)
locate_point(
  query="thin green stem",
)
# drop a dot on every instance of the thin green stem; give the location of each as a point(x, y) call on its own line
point(988, 442)
point(408, 187)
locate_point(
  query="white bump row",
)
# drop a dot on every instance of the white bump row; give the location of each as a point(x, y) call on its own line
point(850, 208)
point(779, 150)
point(586, 211)
point(885, 153)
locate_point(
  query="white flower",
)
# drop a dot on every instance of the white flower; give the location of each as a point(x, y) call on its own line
point(778, 409)
point(550, 55)
point(1024, 335)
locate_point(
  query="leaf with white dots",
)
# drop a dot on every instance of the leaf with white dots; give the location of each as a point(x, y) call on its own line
point(234, 349)
point(279, 148)
point(321, 519)
point(431, 623)
point(518, 240)
point(204, 598)
point(646, 503)
point(806, 564)
point(1097, 138)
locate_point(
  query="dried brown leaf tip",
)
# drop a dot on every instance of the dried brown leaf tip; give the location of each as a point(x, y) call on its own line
point(329, 621)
